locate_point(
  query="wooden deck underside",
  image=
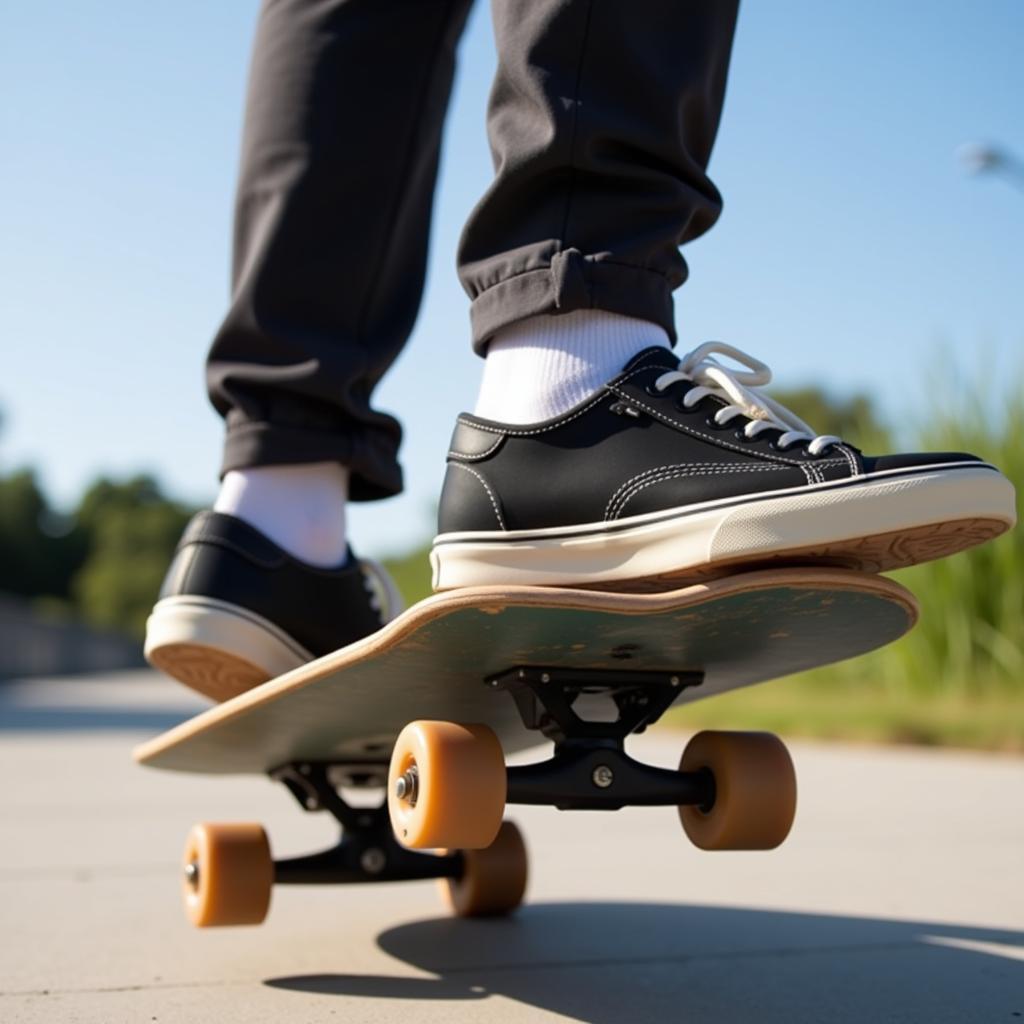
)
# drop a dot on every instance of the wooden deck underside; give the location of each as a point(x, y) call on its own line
point(431, 662)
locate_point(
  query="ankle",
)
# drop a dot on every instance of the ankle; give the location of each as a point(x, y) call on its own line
point(301, 508)
point(544, 365)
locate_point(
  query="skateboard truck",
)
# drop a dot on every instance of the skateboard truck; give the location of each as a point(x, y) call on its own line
point(415, 717)
point(590, 769)
point(367, 850)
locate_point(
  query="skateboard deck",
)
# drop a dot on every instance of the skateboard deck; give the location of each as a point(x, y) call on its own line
point(435, 660)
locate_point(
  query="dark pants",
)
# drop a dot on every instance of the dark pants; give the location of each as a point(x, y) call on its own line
point(601, 121)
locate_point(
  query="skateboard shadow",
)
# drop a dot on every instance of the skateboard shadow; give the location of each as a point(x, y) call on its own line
point(620, 963)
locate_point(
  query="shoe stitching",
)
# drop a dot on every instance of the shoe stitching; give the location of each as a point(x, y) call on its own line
point(677, 473)
point(490, 493)
point(674, 472)
point(512, 432)
point(823, 465)
point(684, 469)
point(855, 469)
point(606, 390)
point(453, 454)
point(710, 438)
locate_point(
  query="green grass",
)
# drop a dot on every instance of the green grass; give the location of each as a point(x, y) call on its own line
point(958, 677)
point(804, 706)
point(411, 573)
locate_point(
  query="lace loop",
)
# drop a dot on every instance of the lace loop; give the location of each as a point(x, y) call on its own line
point(739, 387)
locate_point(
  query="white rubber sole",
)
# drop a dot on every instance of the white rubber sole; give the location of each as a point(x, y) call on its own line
point(218, 648)
point(875, 522)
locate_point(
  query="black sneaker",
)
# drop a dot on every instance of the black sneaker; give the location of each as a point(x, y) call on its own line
point(679, 471)
point(235, 610)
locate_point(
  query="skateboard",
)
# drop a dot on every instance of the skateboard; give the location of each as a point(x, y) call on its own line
point(426, 710)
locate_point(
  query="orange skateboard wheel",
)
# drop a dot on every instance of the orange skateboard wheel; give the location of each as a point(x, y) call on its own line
point(493, 880)
point(228, 874)
point(446, 786)
point(755, 791)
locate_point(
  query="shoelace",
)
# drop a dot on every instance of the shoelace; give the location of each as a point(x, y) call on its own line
point(739, 389)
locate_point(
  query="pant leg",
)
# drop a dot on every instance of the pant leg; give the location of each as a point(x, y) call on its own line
point(601, 121)
point(339, 158)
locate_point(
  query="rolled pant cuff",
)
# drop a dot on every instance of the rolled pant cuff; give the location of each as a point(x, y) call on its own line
point(373, 466)
point(573, 282)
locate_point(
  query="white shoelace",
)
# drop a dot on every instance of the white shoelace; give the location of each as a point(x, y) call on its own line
point(739, 389)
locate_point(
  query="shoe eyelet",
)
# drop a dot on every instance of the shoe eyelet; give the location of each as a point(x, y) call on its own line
point(742, 436)
point(714, 424)
point(651, 390)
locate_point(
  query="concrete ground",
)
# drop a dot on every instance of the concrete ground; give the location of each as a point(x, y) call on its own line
point(898, 897)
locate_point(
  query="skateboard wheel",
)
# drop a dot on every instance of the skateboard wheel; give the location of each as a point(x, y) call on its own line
point(446, 786)
point(755, 791)
point(227, 874)
point(493, 879)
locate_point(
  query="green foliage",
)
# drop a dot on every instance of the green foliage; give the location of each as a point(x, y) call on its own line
point(970, 638)
point(39, 553)
point(851, 417)
point(133, 530)
point(958, 677)
point(103, 564)
point(411, 573)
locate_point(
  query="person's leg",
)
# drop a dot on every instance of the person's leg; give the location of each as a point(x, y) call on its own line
point(596, 457)
point(343, 123)
point(339, 159)
point(601, 122)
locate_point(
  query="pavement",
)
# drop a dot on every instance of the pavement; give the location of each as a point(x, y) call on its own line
point(898, 897)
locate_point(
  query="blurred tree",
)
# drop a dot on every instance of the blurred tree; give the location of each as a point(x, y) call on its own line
point(133, 529)
point(40, 550)
point(853, 417)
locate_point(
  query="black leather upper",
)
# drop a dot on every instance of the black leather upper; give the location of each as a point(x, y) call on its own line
point(222, 557)
point(627, 451)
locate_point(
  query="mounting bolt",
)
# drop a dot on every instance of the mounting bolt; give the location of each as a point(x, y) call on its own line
point(545, 678)
point(192, 875)
point(373, 860)
point(407, 785)
point(602, 776)
point(674, 680)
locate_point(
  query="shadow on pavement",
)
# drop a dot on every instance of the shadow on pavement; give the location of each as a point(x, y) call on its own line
point(613, 963)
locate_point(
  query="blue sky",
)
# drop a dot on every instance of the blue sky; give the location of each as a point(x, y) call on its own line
point(853, 252)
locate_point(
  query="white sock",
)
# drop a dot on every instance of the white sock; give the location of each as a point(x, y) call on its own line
point(301, 508)
point(542, 366)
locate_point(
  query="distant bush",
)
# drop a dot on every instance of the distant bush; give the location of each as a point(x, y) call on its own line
point(133, 529)
point(102, 564)
point(970, 638)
